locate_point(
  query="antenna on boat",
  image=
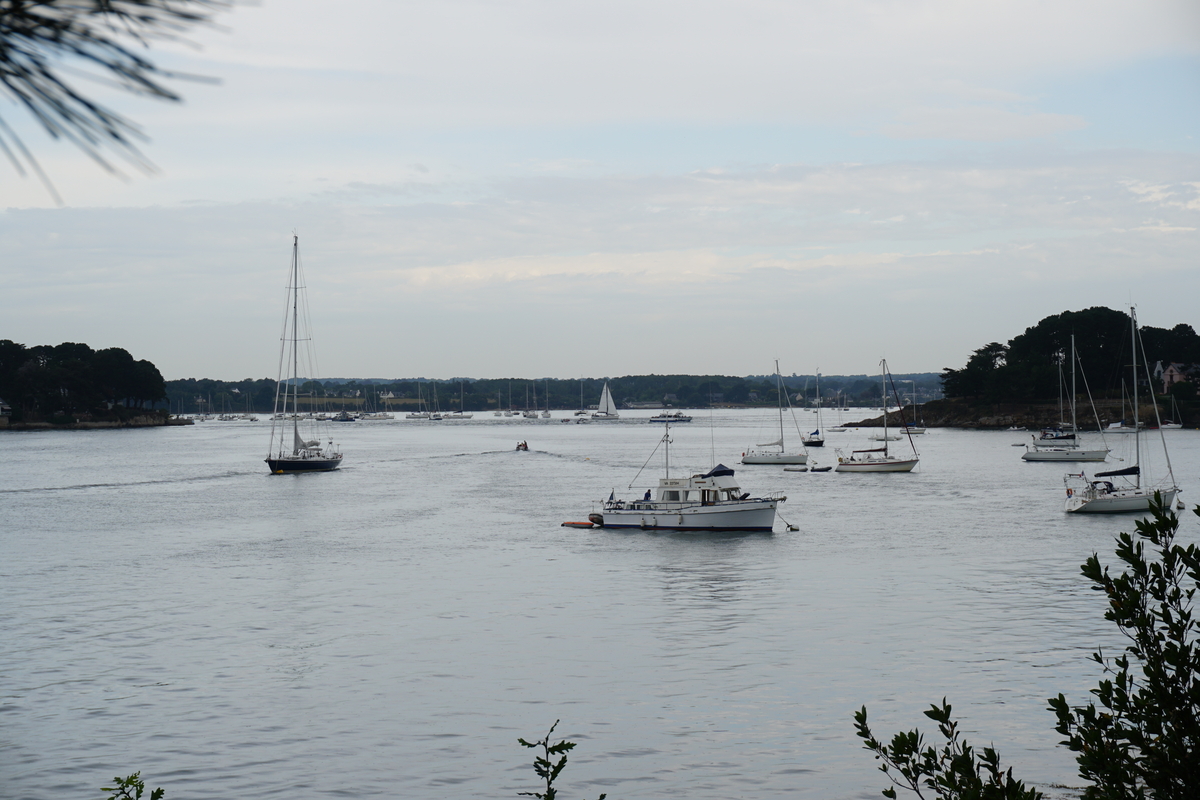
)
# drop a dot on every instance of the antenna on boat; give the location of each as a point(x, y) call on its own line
point(712, 436)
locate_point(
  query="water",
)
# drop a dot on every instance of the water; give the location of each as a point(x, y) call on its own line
point(390, 629)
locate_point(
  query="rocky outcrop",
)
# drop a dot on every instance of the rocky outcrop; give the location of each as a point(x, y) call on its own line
point(144, 421)
point(959, 413)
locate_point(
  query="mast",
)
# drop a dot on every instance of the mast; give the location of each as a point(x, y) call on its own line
point(779, 401)
point(1074, 397)
point(667, 449)
point(295, 349)
point(1137, 431)
point(883, 382)
point(818, 400)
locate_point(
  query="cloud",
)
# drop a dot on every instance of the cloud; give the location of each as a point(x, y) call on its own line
point(967, 252)
point(979, 124)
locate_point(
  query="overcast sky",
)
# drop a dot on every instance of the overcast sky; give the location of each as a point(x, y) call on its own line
point(557, 188)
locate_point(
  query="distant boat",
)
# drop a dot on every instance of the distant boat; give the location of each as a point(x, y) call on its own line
point(1055, 444)
point(607, 410)
point(815, 439)
point(878, 459)
point(302, 453)
point(675, 416)
point(760, 454)
point(1173, 423)
point(1100, 495)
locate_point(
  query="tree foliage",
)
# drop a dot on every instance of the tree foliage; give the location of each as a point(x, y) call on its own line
point(1140, 737)
point(130, 788)
point(41, 41)
point(73, 378)
point(953, 772)
point(1027, 367)
point(546, 768)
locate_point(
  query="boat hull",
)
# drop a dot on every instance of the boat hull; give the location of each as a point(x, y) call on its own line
point(1064, 454)
point(877, 465)
point(742, 515)
point(1122, 501)
point(775, 458)
point(284, 466)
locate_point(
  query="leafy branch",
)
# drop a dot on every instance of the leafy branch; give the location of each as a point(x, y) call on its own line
point(1141, 736)
point(130, 788)
point(41, 40)
point(954, 772)
point(547, 769)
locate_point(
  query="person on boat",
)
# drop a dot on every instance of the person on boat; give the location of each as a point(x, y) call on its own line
point(647, 497)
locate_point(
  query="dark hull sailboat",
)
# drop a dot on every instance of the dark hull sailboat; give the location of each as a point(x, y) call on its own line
point(305, 453)
point(279, 466)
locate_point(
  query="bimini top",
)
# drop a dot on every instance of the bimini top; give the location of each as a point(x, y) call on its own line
point(718, 470)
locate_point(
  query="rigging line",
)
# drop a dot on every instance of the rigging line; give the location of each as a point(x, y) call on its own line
point(1091, 400)
point(907, 430)
point(1154, 403)
point(712, 437)
point(639, 472)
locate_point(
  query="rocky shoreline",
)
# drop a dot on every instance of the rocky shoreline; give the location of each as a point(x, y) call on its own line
point(1001, 416)
point(144, 421)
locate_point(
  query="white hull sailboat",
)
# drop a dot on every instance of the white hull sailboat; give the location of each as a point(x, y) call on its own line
point(1064, 447)
point(879, 459)
point(712, 501)
point(766, 453)
point(607, 410)
point(302, 451)
point(1100, 495)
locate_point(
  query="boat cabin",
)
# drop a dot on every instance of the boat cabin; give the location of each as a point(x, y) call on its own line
point(715, 486)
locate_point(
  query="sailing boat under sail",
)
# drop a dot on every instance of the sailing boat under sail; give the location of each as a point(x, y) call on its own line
point(607, 410)
point(759, 454)
point(1137, 489)
point(302, 451)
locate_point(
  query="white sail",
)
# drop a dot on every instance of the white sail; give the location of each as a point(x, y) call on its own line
point(606, 401)
point(777, 443)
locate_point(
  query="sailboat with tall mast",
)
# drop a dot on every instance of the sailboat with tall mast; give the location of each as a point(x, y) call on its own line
point(760, 454)
point(462, 408)
point(1065, 447)
point(1138, 488)
point(607, 410)
point(816, 438)
point(303, 453)
point(880, 459)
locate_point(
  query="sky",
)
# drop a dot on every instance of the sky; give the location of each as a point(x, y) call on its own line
point(560, 188)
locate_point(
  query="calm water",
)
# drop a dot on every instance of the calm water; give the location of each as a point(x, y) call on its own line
point(390, 629)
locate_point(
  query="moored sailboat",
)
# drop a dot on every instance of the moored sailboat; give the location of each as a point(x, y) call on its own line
point(760, 454)
point(816, 438)
point(879, 459)
point(1058, 445)
point(1138, 488)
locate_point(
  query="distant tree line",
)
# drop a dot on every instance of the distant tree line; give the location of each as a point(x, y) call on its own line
point(1028, 367)
point(193, 395)
point(72, 378)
